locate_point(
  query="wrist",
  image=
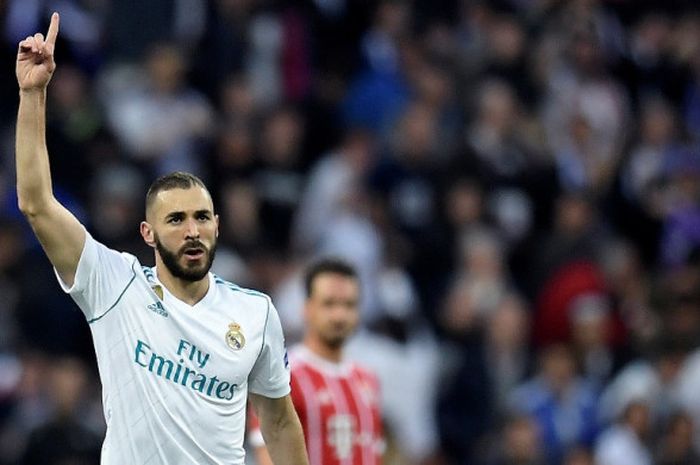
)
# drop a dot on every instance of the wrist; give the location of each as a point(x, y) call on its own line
point(37, 96)
point(32, 91)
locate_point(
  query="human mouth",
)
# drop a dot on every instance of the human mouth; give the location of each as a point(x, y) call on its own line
point(193, 253)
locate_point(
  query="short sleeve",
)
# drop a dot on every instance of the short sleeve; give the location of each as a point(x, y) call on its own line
point(101, 278)
point(270, 374)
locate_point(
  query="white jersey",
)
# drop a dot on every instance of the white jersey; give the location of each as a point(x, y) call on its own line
point(175, 377)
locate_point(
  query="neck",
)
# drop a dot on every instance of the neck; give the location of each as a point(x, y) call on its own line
point(189, 292)
point(321, 349)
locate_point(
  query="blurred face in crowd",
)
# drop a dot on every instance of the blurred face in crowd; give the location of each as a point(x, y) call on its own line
point(465, 203)
point(70, 88)
point(507, 327)
point(234, 147)
point(459, 315)
point(522, 440)
point(579, 456)
point(166, 67)
point(68, 378)
point(574, 215)
point(392, 17)
point(417, 132)
point(332, 309)
point(482, 255)
point(240, 204)
point(434, 86)
point(497, 106)
point(507, 40)
point(590, 322)
point(183, 229)
point(11, 245)
point(558, 367)
point(586, 54)
point(658, 122)
point(637, 417)
point(282, 137)
point(679, 437)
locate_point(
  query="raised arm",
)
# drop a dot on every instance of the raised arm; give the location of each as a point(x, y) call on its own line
point(281, 430)
point(58, 231)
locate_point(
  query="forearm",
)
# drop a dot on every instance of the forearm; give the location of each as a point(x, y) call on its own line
point(285, 441)
point(262, 456)
point(34, 191)
point(281, 430)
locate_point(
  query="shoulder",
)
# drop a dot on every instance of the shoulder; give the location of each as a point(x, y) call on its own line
point(104, 254)
point(363, 373)
point(237, 292)
point(302, 363)
point(296, 356)
point(101, 259)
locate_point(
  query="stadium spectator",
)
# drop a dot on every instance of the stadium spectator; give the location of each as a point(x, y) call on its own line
point(625, 442)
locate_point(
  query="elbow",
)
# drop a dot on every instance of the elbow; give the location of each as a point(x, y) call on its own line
point(27, 209)
point(31, 209)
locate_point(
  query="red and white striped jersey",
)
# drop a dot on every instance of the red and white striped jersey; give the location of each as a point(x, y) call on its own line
point(338, 405)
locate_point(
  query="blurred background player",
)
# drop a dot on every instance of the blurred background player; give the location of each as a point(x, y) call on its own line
point(337, 401)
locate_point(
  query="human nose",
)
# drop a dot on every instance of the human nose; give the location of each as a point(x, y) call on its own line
point(192, 231)
point(340, 312)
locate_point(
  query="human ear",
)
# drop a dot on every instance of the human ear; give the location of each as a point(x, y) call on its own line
point(147, 234)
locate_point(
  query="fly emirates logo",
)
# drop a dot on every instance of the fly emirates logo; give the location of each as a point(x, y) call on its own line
point(175, 371)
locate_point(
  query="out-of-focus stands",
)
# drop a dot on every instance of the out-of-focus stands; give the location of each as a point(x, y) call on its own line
point(517, 182)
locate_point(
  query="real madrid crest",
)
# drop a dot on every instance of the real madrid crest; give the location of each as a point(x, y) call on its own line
point(158, 290)
point(234, 337)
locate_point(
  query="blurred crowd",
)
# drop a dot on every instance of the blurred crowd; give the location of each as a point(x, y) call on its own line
point(517, 182)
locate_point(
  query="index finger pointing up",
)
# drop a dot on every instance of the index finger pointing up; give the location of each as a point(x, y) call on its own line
point(53, 31)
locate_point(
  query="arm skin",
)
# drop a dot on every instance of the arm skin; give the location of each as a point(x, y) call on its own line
point(262, 456)
point(58, 231)
point(281, 429)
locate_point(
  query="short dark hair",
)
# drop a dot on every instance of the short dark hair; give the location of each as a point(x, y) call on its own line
point(332, 265)
point(175, 180)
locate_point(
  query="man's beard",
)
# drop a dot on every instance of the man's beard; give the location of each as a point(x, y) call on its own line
point(171, 260)
point(335, 340)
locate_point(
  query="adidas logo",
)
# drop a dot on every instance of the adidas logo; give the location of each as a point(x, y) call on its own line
point(159, 309)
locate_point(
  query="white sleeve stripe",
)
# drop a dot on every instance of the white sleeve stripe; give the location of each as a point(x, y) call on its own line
point(133, 276)
point(264, 334)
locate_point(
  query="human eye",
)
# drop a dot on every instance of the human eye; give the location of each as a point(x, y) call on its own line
point(203, 216)
point(174, 219)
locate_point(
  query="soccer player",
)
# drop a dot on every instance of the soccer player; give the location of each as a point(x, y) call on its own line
point(178, 348)
point(337, 401)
